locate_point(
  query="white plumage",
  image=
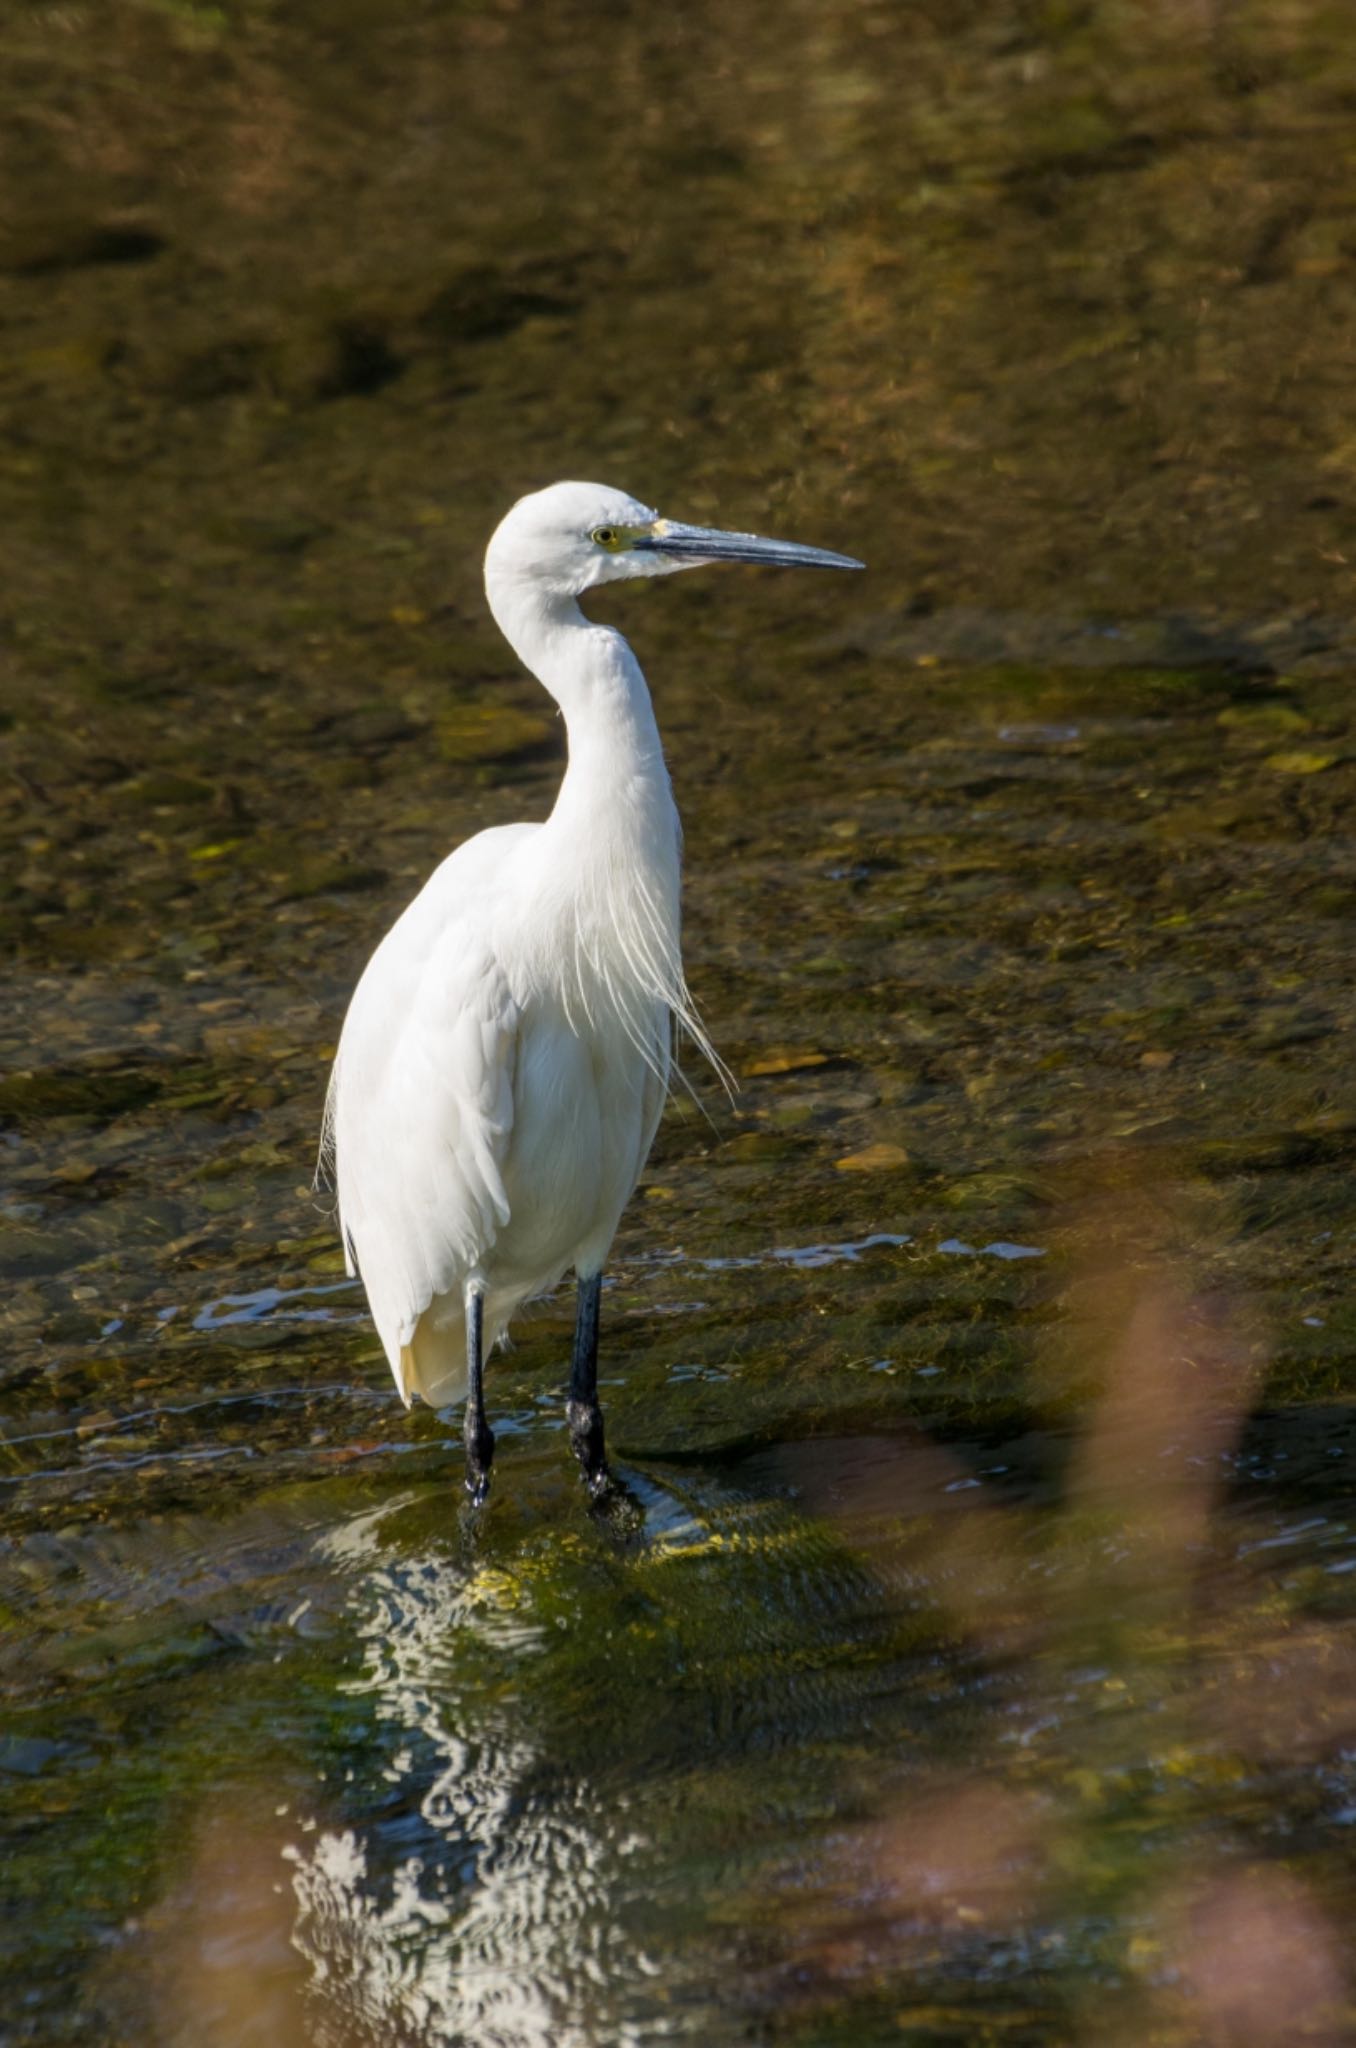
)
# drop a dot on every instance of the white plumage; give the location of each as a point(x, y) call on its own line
point(505, 1057)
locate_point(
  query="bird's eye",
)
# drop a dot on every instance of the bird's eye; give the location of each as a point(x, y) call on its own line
point(606, 536)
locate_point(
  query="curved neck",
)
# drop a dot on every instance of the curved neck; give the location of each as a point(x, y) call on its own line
point(613, 835)
point(594, 678)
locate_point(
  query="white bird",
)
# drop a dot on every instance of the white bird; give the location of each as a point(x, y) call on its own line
point(505, 1057)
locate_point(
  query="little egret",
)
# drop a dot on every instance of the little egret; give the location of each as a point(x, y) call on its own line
point(505, 1057)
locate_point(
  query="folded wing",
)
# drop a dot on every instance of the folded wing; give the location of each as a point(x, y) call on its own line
point(420, 1114)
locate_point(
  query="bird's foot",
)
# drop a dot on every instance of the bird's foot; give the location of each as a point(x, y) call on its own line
point(617, 1510)
point(586, 1441)
point(479, 1458)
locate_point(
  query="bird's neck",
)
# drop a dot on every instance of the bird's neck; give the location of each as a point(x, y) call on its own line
point(616, 761)
point(613, 839)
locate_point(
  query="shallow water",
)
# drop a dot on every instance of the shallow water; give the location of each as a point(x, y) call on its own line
point(974, 1660)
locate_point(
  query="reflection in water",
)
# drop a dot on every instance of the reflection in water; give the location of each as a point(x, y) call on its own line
point(279, 1303)
point(940, 1726)
point(479, 1911)
point(576, 1754)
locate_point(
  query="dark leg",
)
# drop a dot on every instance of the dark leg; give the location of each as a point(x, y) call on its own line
point(582, 1411)
point(479, 1435)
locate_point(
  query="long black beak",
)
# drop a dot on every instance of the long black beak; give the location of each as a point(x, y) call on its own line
point(708, 544)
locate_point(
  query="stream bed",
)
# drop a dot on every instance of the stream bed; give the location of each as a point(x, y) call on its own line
point(974, 1658)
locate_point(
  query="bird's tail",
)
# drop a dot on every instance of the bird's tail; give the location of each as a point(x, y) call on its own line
point(433, 1363)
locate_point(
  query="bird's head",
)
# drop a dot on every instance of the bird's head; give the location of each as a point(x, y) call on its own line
point(571, 537)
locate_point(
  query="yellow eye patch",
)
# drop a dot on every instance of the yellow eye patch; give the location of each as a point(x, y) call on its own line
point(616, 539)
